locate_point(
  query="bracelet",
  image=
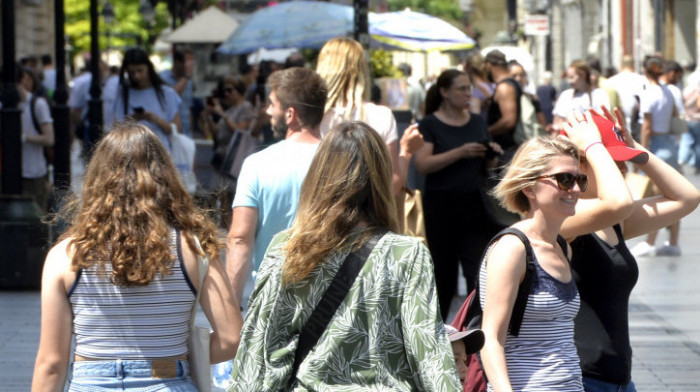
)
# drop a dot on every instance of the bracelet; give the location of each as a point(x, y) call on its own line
point(585, 152)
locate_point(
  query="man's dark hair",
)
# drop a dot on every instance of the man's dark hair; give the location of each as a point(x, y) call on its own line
point(180, 54)
point(497, 58)
point(405, 69)
point(653, 65)
point(304, 90)
point(46, 59)
point(244, 67)
point(672, 66)
point(294, 60)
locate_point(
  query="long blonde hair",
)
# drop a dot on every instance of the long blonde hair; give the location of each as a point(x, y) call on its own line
point(343, 65)
point(348, 185)
point(530, 161)
point(132, 196)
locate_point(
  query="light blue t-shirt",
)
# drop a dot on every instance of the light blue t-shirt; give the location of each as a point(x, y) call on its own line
point(187, 98)
point(270, 181)
point(148, 99)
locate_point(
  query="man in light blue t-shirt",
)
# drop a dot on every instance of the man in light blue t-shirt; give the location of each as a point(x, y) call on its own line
point(268, 187)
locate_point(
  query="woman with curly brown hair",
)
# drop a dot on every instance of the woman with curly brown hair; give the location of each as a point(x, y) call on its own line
point(123, 277)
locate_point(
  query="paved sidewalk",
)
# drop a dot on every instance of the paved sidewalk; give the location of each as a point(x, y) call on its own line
point(664, 322)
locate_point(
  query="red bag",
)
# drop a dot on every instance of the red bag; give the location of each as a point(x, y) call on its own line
point(476, 378)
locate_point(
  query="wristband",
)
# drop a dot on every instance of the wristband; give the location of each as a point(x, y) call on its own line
point(585, 152)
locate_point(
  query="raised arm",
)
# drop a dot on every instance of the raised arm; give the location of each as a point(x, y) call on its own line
point(612, 201)
point(505, 269)
point(678, 198)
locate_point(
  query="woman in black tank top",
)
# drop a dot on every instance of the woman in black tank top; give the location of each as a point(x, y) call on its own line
point(606, 215)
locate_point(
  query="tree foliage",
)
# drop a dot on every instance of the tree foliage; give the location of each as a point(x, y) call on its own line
point(447, 9)
point(128, 29)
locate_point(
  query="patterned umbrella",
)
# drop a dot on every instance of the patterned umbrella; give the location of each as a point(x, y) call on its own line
point(293, 24)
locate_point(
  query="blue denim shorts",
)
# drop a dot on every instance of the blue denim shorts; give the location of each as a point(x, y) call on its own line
point(131, 375)
point(593, 385)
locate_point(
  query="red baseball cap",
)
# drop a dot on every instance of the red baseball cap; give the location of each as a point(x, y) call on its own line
point(614, 142)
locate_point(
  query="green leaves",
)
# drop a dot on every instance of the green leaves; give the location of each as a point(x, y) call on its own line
point(128, 29)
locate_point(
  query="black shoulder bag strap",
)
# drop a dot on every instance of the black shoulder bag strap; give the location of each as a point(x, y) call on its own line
point(516, 318)
point(331, 300)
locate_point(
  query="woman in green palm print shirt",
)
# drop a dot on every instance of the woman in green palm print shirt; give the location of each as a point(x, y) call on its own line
point(387, 334)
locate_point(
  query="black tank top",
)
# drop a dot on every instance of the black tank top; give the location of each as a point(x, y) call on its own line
point(605, 276)
point(494, 114)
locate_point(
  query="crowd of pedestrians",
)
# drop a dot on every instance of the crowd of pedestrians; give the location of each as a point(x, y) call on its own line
point(311, 175)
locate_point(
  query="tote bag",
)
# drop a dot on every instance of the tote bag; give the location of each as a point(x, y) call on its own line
point(198, 341)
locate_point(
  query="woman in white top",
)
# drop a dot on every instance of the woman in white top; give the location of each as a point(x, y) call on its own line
point(124, 276)
point(580, 97)
point(343, 65)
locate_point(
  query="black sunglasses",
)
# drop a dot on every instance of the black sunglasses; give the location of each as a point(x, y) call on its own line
point(565, 181)
point(228, 89)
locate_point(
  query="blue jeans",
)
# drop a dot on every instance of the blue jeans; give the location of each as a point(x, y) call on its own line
point(689, 149)
point(130, 375)
point(666, 148)
point(593, 385)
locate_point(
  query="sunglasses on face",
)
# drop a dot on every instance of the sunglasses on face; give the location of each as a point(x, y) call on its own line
point(566, 181)
point(229, 90)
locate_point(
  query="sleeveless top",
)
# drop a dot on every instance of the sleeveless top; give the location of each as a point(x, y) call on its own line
point(115, 322)
point(543, 356)
point(605, 275)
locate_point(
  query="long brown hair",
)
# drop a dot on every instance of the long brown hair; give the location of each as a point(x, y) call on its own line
point(348, 185)
point(132, 196)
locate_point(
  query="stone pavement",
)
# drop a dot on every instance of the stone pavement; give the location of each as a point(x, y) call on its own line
point(664, 322)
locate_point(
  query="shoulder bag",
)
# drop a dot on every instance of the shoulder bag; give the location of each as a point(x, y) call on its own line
point(198, 342)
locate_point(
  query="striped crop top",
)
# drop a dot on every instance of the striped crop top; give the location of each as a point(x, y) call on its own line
point(115, 322)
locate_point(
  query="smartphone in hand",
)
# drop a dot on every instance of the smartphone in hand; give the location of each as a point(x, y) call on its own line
point(139, 110)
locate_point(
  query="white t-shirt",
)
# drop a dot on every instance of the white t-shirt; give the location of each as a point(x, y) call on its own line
point(33, 160)
point(628, 86)
point(80, 97)
point(658, 101)
point(270, 181)
point(148, 100)
point(380, 118)
point(568, 102)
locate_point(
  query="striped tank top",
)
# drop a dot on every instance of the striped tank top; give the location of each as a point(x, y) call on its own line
point(114, 322)
point(543, 356)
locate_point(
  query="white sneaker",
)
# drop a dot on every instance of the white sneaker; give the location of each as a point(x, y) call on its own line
point(643, 249)
point(668, 250)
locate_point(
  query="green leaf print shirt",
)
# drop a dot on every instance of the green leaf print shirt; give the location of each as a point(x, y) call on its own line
point(387, 335)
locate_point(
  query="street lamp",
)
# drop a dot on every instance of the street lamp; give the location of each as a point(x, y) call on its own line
point(108, 13)
point(146, 10)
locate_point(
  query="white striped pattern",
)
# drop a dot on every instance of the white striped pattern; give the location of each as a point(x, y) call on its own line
point(152, 321)
point(543, 356)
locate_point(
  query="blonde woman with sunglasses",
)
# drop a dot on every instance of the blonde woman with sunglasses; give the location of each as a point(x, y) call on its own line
point(543, 184)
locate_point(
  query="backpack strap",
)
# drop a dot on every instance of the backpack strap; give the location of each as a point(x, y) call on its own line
point(32, 111)
point(516, 318)
point(331, 300)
